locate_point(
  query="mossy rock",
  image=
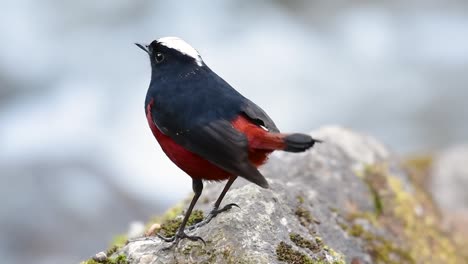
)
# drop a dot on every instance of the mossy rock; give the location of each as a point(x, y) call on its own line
point(405, 225)
point(349, 200)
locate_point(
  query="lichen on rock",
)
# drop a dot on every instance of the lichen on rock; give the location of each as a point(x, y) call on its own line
point(407, 227)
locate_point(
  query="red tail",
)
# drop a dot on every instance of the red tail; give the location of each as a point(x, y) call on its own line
point(262, 142)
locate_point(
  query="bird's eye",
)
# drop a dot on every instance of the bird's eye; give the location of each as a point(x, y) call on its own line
point(159, 57)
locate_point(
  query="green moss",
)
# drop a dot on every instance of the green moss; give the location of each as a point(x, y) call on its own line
point(372, 217)
point(319, 252)
point(300, 199)
point(210, 255)
point(120, 259)
point(226, 254)
point(286, 253)
point(112, 250)
point(170, 214)
point(89, 261)
point(418, 168)
point(356, 230)
point(343, 225)
point(119, 241)
point(421, 163)
point(194, 249)
point(319, 241)
point(305, 217)
point(408, 219)
point(303, 243)
point(196, 217)
point(428, 243)
point(381, 249)
point(338, 258)
point(378, 206)
point(316, 247)
point(170, 227)
point(375, 182)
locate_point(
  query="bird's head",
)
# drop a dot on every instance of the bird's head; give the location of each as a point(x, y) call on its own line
point(169, 51)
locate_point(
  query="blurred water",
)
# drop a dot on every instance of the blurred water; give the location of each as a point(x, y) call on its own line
point(77, 157)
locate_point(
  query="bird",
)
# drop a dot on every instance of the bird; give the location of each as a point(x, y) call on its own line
point(206, 127)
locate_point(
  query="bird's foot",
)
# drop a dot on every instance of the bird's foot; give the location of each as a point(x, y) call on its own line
point(212, 215)
point(179, 236)
point(217, 211)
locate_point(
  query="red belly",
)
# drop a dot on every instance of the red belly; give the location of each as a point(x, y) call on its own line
point(194, 165)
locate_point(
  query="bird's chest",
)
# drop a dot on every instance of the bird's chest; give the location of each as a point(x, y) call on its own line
point(191, 163)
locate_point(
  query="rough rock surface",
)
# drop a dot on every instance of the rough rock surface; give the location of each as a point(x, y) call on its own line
point(349, 200)
point(450, 178)
point(448, 183)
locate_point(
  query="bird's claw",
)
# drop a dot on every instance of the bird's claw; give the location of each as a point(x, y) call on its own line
point(166, 239)
point(179, 236)
point(228, 207)
point(212, 215)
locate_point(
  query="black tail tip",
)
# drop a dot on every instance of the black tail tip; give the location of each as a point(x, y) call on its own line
point(299, 142)
point(265, 185)
point(262, 182)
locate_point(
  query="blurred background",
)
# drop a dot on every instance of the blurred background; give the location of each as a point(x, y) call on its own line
point(77, 159)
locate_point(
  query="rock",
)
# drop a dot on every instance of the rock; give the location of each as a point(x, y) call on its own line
point(100, 257)
point(349, 200)
point(448, 183)
point(450, 179)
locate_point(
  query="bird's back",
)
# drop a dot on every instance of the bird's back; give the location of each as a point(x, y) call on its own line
point(195, 97)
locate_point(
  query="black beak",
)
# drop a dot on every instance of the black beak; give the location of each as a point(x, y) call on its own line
point(143, 47)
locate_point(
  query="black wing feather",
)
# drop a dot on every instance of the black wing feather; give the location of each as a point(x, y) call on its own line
point(258, 116)
point(221, 144)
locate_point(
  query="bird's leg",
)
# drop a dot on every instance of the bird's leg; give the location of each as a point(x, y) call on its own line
point(197, 186)
point(215, 211)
